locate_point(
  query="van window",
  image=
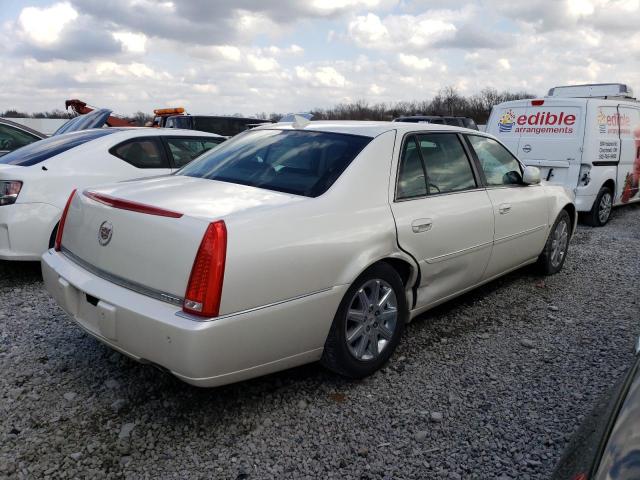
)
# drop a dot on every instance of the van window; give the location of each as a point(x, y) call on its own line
point(498, 165)
point(447, 165)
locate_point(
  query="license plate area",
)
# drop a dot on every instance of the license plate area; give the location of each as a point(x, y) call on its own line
point(97, 315)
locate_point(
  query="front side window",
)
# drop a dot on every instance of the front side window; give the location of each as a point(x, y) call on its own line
point(184, 150)
point(292, 161)
point(12, 138)
point(447, 165)
point(141, 153)
point(498, 165)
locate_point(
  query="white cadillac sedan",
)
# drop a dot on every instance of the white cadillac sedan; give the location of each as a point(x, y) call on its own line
point(293, 243)
point(36, 180)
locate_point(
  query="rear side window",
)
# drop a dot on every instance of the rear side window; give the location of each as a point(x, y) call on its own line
point(411, 178)
point(12, 138)
point(446, 163)
point(498, 165)
point(141, 153)
point(292, 161)
point(184, 150)
point(42, 150)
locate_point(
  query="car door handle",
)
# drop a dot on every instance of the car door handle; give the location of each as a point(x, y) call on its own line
point(504, 208)
point(421, 225)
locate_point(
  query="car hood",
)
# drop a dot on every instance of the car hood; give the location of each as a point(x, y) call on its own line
point(621, 457)
point(95, 119)
point(198, 197)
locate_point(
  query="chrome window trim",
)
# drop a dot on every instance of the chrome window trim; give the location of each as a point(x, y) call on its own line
point(435, 195)
point(133, 286)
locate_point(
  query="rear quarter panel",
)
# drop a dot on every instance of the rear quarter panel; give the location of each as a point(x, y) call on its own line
point(315, 244)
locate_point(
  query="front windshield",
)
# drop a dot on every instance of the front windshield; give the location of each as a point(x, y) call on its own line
point(292, 161)
point(44, 149)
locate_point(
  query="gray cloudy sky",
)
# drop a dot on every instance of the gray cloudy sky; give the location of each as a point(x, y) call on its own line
point(249, 56)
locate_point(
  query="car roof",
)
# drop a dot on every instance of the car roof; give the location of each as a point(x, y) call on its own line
point(131, 132)
point(366, 128)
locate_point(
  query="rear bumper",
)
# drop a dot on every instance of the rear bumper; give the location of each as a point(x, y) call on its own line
point(25, 230)
point(203, 353)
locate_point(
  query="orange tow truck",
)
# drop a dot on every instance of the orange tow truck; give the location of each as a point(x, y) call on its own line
point(81, 108)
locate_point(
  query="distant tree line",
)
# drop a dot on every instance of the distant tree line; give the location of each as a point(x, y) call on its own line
point(57, 113)
point(448, 101)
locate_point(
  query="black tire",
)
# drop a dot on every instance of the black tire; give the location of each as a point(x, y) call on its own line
point(594, 217)
point(547, 262)
point(337, 355)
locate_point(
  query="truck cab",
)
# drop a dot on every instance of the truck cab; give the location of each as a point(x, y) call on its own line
point(585, 137)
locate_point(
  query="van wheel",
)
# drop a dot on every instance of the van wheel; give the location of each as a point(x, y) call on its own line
point(368, 324)
point(601, 210)
point(555, 250)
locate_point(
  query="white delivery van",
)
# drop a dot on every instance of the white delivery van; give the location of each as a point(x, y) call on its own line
point(586, 137)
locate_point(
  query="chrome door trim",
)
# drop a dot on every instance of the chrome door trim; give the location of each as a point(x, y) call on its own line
point(518, 235)
point(458, 253)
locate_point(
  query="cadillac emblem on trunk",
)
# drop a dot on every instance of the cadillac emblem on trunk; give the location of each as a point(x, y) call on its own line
point(105, 232)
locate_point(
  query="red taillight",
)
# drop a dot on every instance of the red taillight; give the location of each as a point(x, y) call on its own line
point(205, 283)
point(537, 103)
point(580, 476)
point(131, 206)
point(63, 219)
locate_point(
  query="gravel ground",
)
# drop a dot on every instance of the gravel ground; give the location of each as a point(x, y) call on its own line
point(488, 386)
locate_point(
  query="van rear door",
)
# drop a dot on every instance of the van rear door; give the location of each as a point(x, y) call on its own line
point(502, 123)
point(551, 135)
point(628, 182)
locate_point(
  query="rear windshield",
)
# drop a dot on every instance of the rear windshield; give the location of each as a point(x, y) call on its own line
point(299, 162)
point(49, 147)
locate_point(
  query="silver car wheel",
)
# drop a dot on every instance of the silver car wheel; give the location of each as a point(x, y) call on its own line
point(372, 319)
point(559, 243)
point(604, 208)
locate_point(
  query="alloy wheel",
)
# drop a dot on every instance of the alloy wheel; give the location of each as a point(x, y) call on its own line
point(559, 243)
point(604, 208)
point(372, 319)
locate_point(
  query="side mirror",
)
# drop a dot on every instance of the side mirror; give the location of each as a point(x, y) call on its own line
point(531, 175)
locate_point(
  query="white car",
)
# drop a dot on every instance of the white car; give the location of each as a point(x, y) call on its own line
point(36, 180)
point(292, 243)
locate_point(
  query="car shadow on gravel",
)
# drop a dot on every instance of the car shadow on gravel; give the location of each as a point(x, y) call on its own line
point(146, 383)
point(20, 271)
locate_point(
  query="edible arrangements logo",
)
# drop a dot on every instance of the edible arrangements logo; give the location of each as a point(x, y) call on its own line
point(602, 122)
point(616, 124)
point(545, 122)
point(506, 121)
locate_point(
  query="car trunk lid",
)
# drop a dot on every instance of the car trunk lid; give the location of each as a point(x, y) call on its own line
point(145, 234)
